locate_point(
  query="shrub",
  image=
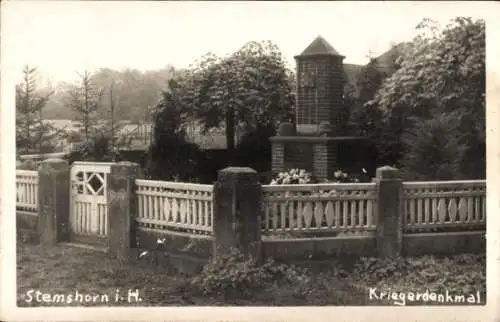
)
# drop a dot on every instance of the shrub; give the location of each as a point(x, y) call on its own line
point(231, 274)
point(171, 156)
point(455, 273)
point(254, 149)
point(343, 177)
point(25, 237)
point(434, 149)
point(27, 165)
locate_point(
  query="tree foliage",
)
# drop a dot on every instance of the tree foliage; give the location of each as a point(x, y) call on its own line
point(33, 135)
point(136, 92)
point(85, 100)
point(365, 120)
point(170, 156)
point(436, 149)
point(100, 132)
point(441, 73)
point(251, 87)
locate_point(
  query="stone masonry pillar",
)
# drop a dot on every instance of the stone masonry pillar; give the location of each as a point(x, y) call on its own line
point(122, 209)
point(237, 212)
point(278, 156)
point(390, 212)
point(320, 161)
point(53, 201)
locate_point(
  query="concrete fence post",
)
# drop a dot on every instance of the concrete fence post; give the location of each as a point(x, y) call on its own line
point(390, 211)
point(53, 201)
point(122, 209)
point(237, 212)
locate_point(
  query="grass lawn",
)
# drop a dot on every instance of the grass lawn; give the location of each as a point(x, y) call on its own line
point(64, 270)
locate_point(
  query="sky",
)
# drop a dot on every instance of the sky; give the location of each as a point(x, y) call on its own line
point(65, 37)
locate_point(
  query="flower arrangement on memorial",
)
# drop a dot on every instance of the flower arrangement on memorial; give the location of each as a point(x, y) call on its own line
point(301, 176)
point(293, 176)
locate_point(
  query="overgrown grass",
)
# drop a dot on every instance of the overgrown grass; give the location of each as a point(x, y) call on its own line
point(64, 270)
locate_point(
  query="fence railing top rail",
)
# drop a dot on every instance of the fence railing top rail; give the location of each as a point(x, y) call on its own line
point(92, 163)
point(444, 184)
point(174, 185)
point(42, 156)
point(321, 186)
point(30, 173)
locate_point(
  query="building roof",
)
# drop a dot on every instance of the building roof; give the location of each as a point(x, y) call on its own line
point(320, 46)
point(387, 60)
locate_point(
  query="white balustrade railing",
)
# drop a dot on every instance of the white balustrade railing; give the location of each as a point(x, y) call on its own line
point(175, 206)
point(27, 191)
point(319, 207)
point(439, 204)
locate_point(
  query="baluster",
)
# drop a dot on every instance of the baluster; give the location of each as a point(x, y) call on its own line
point(413, 220)
point(369, 213)
point(275, 215)
point(427, 208)
point(434, 210)
point(150, 203)
point(319, 212)
point(419, 208)
point(299, 214)
point(483, 212)
point(267, 218)
point(462, 210)
point(196, 219)
point(283, 215)
point(353, 213)
point(307, 214)
point(477, 208)
point(208, 208)
point(155, 214)
point(329, 214)
point(452, 209)
point(337, 213)
point(345, 213)
point(470, 209)
point(442, 211)
point(361, 213)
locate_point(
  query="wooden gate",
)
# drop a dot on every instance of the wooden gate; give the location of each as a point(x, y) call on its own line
point(88, 203)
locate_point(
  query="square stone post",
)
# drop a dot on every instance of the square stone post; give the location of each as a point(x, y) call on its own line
point(53, 201)
point(389, 211)
point(122, 209)
point(237, 211)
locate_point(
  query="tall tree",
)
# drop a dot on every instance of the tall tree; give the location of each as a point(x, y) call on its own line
point(32, 133)
point(139, 92)
point(442, 72)
point(112, 129)
point(170, 156)
point(85, 100)
point(251, 87)
point(435, 149)
point(365, 120)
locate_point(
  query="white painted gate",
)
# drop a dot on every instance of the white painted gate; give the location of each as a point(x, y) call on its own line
point(88, 202)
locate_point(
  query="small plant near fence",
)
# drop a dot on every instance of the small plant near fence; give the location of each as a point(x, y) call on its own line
point(232, 275)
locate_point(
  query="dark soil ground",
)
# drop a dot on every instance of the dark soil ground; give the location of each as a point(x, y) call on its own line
point(64, 270)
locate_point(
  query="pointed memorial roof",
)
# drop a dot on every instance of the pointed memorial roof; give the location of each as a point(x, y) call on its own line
point(320, 46)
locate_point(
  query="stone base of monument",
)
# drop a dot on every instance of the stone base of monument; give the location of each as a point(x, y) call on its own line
point(319, 153)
